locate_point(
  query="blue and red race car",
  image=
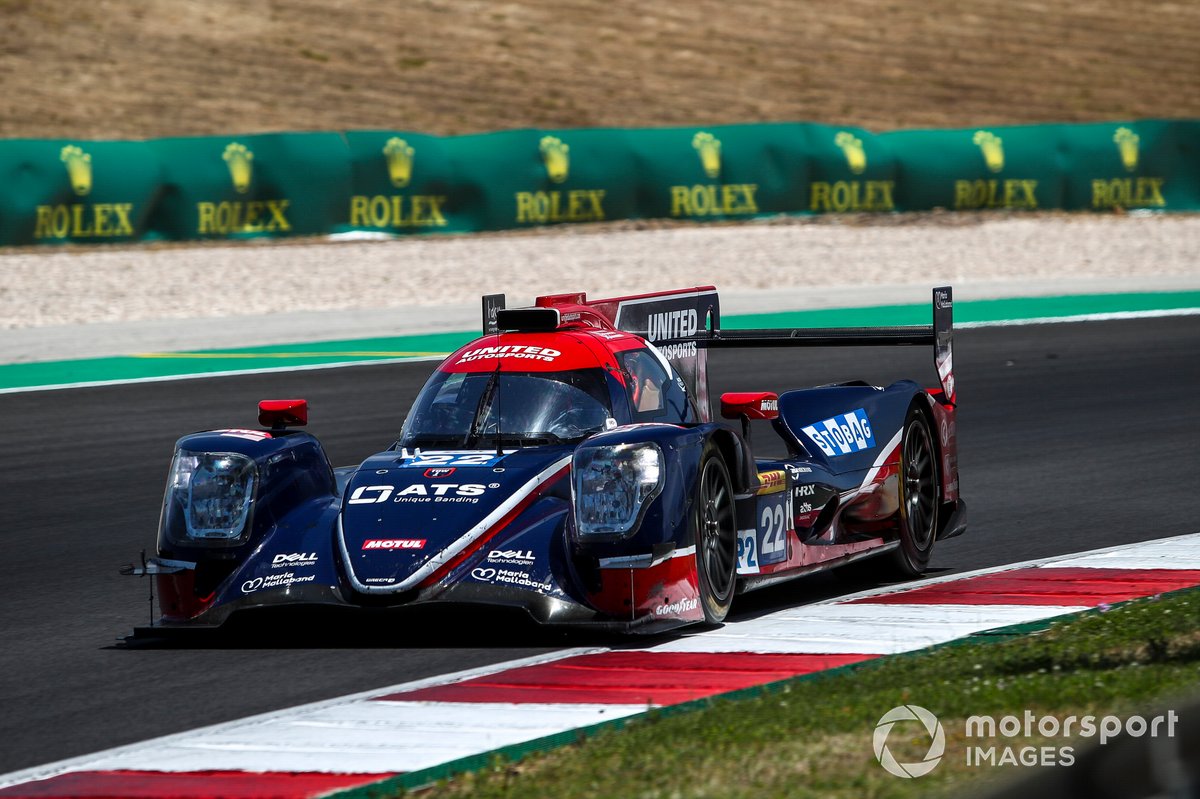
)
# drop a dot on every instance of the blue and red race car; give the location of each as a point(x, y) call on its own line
point(567, 463)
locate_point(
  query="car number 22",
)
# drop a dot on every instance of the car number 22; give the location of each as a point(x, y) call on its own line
point(772, 528)
point(427, 459)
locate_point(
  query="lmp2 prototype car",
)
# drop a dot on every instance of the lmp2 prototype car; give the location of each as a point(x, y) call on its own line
point(567, 463)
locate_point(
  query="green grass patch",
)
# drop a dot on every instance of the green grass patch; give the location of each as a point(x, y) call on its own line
point(812, 736)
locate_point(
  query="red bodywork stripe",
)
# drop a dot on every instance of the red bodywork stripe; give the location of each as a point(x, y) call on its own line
point(506, 520)
point(659, 678)
point(1042, 586)
point(188, 785)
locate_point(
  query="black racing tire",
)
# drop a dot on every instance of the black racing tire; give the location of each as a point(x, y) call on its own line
point(920, 496)
point(716, 537)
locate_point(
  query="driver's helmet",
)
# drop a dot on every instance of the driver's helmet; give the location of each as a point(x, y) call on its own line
point(646, 381)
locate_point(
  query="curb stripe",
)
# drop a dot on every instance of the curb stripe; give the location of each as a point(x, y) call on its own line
point(198, 785)
point(647, 678)
point(1064, 585)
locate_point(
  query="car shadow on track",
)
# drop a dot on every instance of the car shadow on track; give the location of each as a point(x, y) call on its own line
point(450, 627)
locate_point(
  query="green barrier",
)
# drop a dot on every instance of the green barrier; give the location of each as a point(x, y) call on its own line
point(398, 182)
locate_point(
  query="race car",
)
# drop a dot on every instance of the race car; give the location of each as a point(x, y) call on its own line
point(567, 463)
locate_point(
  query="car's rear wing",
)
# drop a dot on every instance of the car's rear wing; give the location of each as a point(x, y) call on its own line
point(940, 334)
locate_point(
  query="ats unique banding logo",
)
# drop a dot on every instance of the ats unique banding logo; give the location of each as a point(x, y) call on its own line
point(851, 195)
point(82, 220)
point(574, 205)
point(398, 211)
point(712, 199)
point(79, 168)
point(238, 216)
point(708, 147)
point(241, 166)
point(1127, 192)
point(1013, 193)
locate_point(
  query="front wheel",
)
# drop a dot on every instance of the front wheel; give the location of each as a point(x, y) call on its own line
point(716, 538)
point(920, 496)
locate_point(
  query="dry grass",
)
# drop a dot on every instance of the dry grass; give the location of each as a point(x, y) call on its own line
point(144, 68)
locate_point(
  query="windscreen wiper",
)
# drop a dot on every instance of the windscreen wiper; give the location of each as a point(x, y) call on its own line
point(485, 400)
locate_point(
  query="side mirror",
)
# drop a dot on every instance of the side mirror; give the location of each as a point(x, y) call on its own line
point(281, 414)
point(750, 404)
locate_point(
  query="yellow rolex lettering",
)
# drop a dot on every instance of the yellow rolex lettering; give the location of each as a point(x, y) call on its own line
point(398, 219)
point(751, 206)
point(379, 211)
point(435, 216)
point(252, 224)
point(124, 226)
point(207, 213)
point(44, 229)
point(575, 205)
point(278, 210)
point(1029, 187)
point(358, 211)
point(681, 201)
point(527, 210)
point(963, 194)
point(819, 197)
point(101, 212)
point(597, 198)
point(80, 226)
point(1149, 192)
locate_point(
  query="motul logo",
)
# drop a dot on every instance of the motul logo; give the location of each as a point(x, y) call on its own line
point(394, 543)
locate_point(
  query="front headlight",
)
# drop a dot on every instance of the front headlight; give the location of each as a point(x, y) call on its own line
point(209, 498)
point(613, 485)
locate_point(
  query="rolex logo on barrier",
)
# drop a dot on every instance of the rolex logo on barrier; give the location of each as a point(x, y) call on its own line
point(852, 195)
point(556, 157)
point(709, 148)
point(79, 168)
point(1127, 144)
point(992, 147)
point(389, 212)
point(399, 161)
point(573, 205)
point(712, 199)
point(1128, 192)
point(241, 216)
point(1011, 193)
point(856, 157)
point(241, 166)
point(81, 220)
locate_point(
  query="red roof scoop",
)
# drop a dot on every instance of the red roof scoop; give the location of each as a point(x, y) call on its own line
point(281, 414)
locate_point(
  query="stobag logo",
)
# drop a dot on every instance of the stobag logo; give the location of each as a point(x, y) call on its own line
point(394, 543)
point(933, 727)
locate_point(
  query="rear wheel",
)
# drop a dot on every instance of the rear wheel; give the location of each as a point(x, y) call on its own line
point(716, 538)
point(920, 496)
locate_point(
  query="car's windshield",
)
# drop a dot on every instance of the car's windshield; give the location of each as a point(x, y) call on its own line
point(491, 408)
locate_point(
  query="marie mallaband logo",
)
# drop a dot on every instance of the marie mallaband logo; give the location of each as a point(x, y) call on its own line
point(573, 205)
point(712, 199)
point(241, 216)
point(398, 211)
point(81, 220)
point(852, 195)
point(1128, 192)
point(1016, 193)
